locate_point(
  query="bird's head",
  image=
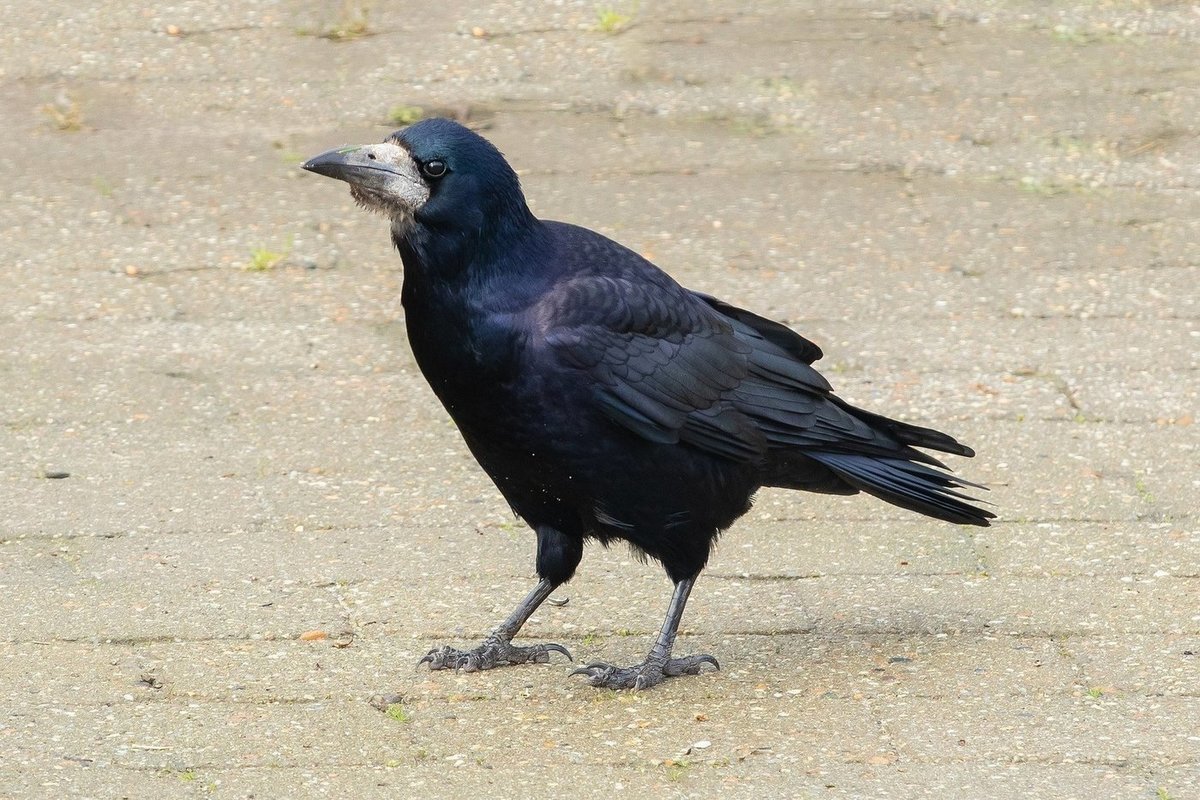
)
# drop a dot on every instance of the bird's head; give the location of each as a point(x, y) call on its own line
point(436, 178)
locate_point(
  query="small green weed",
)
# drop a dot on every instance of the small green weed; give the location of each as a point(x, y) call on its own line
point(398, 712)
point(1143, 491)
point(405, 115)
point(263, 259)
point(611, 20)
point(676, 770)
point(353, 23)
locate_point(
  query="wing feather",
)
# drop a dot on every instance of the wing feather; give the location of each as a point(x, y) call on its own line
point(661, 365)
point(676, 366)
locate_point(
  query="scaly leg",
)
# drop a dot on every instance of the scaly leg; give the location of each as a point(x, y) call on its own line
point(658, 665)
point(497, 649)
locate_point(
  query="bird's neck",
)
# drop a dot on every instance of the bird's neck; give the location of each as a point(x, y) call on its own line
point(459, 304)
point(457, 260)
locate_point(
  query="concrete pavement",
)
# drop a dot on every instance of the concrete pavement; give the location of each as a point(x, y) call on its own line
point(986, 214)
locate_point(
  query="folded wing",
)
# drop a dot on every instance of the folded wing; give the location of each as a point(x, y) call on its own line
point(675, 366)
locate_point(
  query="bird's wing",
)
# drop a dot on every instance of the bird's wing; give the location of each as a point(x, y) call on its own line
point(659, 362)
point(666, 366)
point(675, 366)
point(751, 326)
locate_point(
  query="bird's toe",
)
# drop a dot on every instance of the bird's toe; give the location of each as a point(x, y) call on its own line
point(441, 658)
point(489, 655)
point(644, 675)
point(689, 665)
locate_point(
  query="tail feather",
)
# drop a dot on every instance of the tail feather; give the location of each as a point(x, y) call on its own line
point(909, 434)
point(909, 485)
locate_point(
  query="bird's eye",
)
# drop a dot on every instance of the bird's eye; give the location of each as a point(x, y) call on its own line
point(434, 169)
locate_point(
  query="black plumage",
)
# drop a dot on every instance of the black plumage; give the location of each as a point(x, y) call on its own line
point(605, 400)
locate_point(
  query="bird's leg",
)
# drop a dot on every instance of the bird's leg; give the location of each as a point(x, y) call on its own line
point(497, 649)
point(659, 665)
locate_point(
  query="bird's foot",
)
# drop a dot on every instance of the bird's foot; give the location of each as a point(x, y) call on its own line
point(494, 652)
point(642, 676)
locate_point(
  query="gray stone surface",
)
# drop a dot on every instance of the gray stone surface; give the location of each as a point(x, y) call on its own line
point(986, 213)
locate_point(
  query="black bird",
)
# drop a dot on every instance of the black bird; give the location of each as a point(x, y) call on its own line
point(605, 400)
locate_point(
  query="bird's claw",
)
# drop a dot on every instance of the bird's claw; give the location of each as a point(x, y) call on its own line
point(557, 648)
point(494, 652)
point(644, 675)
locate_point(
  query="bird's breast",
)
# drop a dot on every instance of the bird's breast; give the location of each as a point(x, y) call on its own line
point(467, 359)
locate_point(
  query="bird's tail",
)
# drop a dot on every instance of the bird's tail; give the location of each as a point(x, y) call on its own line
point(907, 484)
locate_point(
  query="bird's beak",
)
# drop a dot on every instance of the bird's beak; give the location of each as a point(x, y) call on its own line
point(336, 163)
point(368, 165)
point(385, 173)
